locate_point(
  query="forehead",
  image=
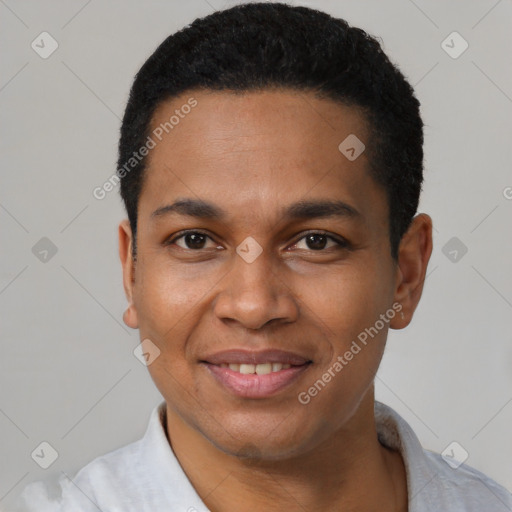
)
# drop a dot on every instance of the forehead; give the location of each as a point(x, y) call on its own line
point(253, 149)
point(277, 120)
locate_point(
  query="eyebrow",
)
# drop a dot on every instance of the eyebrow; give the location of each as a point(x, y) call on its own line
point(312, 209)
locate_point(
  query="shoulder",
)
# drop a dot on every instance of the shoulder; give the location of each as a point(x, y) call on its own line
point(83, 491)
point(109, 481)
point(463, 487)
point(435, 482)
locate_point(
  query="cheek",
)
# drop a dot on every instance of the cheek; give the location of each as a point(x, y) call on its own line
point(168, 311)
point(345, 302)
point(168, 298)
point(347, 309)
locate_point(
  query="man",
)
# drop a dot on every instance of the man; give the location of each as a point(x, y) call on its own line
point(271, 164)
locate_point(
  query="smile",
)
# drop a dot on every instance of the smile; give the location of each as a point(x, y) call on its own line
point(255, 374)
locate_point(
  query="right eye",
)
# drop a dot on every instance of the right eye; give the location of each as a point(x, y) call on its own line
point(191, 240)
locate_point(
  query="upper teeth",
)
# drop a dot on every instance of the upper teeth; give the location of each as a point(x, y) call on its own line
point(259, 369)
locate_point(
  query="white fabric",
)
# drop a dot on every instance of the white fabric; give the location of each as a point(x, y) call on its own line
point(145, 476)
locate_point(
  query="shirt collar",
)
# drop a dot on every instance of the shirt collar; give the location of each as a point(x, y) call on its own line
point(394, 432)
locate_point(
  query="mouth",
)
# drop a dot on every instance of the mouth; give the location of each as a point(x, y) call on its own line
point(255, 374)
point(258, 369)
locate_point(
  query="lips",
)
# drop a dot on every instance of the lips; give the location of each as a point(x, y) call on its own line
point(255, 374)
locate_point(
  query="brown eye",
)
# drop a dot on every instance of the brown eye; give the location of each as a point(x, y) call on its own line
point(318, 242)
point(191, 240)
point(194, 240)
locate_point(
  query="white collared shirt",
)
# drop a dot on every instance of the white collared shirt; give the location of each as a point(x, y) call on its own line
point(145, 476)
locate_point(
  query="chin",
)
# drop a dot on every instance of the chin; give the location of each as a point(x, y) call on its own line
point(261, 445)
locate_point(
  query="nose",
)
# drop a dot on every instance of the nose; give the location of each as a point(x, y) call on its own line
point(255, 294)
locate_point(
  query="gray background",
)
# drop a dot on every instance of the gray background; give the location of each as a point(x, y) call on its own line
point(68, 375)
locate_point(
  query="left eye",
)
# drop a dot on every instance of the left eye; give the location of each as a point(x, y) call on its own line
point(318, 241)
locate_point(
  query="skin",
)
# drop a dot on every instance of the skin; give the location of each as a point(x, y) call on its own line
point(252, 154)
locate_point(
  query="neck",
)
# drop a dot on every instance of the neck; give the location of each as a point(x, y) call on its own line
point(350, 471)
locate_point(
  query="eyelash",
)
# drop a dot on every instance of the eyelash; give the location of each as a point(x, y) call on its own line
point(342, 243)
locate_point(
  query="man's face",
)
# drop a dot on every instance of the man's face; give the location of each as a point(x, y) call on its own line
point(210, 299)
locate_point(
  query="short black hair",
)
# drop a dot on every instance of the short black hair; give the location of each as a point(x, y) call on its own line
point(256, 46)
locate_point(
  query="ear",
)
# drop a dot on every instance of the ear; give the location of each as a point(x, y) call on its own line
point(413, 256)
point(125, 254)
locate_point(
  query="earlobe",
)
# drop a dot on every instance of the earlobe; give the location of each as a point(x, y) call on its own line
point(128, 267)
point(130, 317)
point(413, 257)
